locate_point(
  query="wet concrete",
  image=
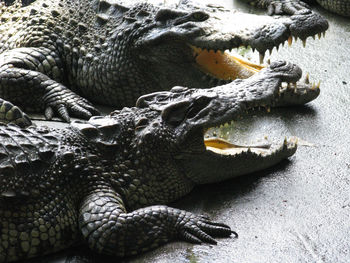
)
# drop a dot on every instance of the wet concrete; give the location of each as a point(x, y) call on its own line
point(298, 211)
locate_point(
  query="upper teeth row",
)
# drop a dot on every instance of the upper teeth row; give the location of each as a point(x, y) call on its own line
point(290, 41)
point(262, 53)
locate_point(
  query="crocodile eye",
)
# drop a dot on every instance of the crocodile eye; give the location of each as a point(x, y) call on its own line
point(200, 16)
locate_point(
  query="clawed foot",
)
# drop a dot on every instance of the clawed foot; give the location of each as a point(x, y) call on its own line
point(289, 7)
point(198, 229)
point(64, 102)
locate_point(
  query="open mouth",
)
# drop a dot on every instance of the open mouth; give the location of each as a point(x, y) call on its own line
point(224, 147)
point(223, 65)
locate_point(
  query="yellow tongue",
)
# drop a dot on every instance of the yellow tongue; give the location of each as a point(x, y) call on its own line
point(224, 147)
point(218, 143)
point(223, 65)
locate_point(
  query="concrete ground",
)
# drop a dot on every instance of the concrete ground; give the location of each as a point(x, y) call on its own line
point(298, 211)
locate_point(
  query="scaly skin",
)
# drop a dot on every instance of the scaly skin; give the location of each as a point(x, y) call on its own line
point(279, 7)
point(54, 52)
point(106, 181)
point(340, 7)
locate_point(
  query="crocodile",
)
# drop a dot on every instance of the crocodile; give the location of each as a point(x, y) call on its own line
point(279, 7)
point(106, 182)
point(58, 56)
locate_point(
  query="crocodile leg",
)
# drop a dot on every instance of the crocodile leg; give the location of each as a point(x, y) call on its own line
point(109, 229)
point(26, 78)
point(280, 7)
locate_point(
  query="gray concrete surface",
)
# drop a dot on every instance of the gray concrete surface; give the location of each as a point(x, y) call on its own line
point(298, 211)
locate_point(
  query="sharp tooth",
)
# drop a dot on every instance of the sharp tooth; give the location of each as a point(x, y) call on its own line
point(314, 37)
point(290, 40)
point(304, 42)
point(324, 33)
point(307, 80)
point(313, 86)
point(318, 84)
point(319, 35)
point(295, 38)
point(261, 57)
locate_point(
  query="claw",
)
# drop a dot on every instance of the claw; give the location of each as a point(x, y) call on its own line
point(63, 112)
point(81, 112)
point(92, 110)
point(48, 113)
point(234, 233)
point(191, 238)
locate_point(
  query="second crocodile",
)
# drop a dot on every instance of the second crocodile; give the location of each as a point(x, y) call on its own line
point(106, 181)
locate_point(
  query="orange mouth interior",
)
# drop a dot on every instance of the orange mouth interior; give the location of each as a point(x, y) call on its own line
point(223, 147)
point(223, 65)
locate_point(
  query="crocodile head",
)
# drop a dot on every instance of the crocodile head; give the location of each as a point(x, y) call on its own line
point(188, 44)
point(167, 129)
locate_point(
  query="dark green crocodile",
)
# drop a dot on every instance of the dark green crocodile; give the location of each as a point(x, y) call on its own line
point(105, 182)
point(278, 7)
point(57, 54)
